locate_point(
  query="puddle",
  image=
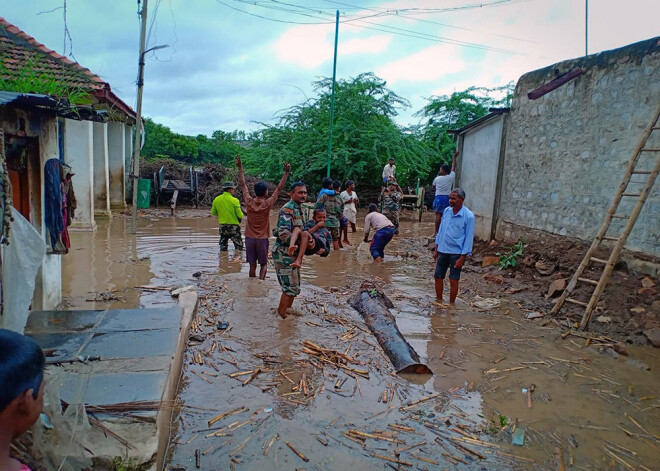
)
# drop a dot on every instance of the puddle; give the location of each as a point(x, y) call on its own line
point(481, 362)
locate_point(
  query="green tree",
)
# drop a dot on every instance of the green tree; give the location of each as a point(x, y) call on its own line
point(161, 142)
point(365, 136)
point(454, 111)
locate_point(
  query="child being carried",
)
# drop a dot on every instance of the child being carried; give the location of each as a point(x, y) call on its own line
point(314, 236)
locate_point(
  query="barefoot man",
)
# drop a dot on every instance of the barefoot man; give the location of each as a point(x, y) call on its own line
point(257, 229)
point(291, 216)
point(453, 244)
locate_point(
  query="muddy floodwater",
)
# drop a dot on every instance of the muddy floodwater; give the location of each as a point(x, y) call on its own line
point(254, 396)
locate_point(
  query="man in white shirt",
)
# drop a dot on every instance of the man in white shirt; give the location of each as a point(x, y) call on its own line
point(350, 203)
point(389, 172)
point(442, 187)
point(383, 235)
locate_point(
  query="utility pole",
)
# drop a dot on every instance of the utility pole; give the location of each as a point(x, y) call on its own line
point(586, 27)
point(332, 96)
point(138, 125)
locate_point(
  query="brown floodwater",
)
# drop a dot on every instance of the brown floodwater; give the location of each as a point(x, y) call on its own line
point(602, 411)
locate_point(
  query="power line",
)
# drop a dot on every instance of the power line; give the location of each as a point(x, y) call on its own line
point(402, 13)
point(270, 19)
point(377, 27)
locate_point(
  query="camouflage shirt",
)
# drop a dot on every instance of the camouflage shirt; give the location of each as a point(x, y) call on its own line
point(391, 201)
point(290, 216)
point(334, 208)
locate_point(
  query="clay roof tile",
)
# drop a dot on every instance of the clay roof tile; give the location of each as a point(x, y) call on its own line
point(18, 49)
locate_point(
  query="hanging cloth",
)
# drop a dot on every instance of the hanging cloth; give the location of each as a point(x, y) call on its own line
point(53, 201)
point(21, 261)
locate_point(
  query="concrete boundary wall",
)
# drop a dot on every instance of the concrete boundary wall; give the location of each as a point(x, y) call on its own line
point(566, 152)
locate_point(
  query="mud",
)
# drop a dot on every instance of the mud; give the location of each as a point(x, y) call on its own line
point(625, 311)
point(596, 406)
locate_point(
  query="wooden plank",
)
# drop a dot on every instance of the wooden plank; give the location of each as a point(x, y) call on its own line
point(554, 84)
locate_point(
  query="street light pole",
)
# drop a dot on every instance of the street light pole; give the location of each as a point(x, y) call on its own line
point(586, 27)
point(138, 125)
point(332, 96)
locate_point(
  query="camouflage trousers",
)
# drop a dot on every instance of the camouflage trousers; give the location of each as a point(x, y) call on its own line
point(394, 217)
point(287, 276)
point(233, 232)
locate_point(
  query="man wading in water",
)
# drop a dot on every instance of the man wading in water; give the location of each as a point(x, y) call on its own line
point(257, 229)
point(291, 216)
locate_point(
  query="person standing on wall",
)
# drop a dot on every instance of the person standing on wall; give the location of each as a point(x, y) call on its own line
point(389, 172)
point(227, 208)
point(442, 187)
point(453, 244)
point(257, 228)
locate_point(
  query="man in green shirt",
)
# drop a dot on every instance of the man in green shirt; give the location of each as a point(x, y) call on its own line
point(228, 210)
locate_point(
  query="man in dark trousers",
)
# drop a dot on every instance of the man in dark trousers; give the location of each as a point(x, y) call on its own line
point(453, 244)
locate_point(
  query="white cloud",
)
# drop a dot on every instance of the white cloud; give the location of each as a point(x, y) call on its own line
point(305, 46)
point(371, 45)
point(431, 63)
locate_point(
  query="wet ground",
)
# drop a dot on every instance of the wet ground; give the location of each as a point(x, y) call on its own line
point(278, 404)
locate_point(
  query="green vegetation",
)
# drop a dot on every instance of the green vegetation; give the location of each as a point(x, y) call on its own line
point(128, 464)
point(453, 112)
point(365, 134)
point(161, 142)
point(509, 259)
point(29, 80)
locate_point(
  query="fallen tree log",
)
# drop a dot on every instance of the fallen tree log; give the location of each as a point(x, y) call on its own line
point(373, 306)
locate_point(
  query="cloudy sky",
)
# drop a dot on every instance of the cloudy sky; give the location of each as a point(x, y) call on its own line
point(233, 63)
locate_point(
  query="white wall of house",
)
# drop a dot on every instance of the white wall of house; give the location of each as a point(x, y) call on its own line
point(478, 172)
point(128, 153)
point(79, 153)
point(101, 180)
point(116, 163)
point(48, 287)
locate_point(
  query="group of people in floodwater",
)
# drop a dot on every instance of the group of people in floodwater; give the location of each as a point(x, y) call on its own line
point(22, 362)
point(333, 212)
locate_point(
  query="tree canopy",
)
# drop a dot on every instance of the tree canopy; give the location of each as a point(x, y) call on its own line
point(364, 137)
point(161, 142)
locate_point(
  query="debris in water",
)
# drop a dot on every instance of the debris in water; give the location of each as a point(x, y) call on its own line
point(518, 437)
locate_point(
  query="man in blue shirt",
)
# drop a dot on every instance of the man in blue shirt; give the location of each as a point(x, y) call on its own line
point(453, 244)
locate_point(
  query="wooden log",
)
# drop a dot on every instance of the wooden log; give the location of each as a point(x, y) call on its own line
point(374, 307)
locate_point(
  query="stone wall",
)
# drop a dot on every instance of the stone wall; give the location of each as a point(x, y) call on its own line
point(566, 152)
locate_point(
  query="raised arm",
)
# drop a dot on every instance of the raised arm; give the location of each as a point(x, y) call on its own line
point(280, 185)
point(241, 178)
point(453, 161)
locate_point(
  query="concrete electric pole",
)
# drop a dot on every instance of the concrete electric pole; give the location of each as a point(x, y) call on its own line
point(135, 174)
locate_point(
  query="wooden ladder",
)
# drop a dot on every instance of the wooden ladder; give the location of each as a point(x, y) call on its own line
point(612, 214)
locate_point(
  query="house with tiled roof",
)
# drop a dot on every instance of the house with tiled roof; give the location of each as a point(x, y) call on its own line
point(98, 151)
point(55, 116)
